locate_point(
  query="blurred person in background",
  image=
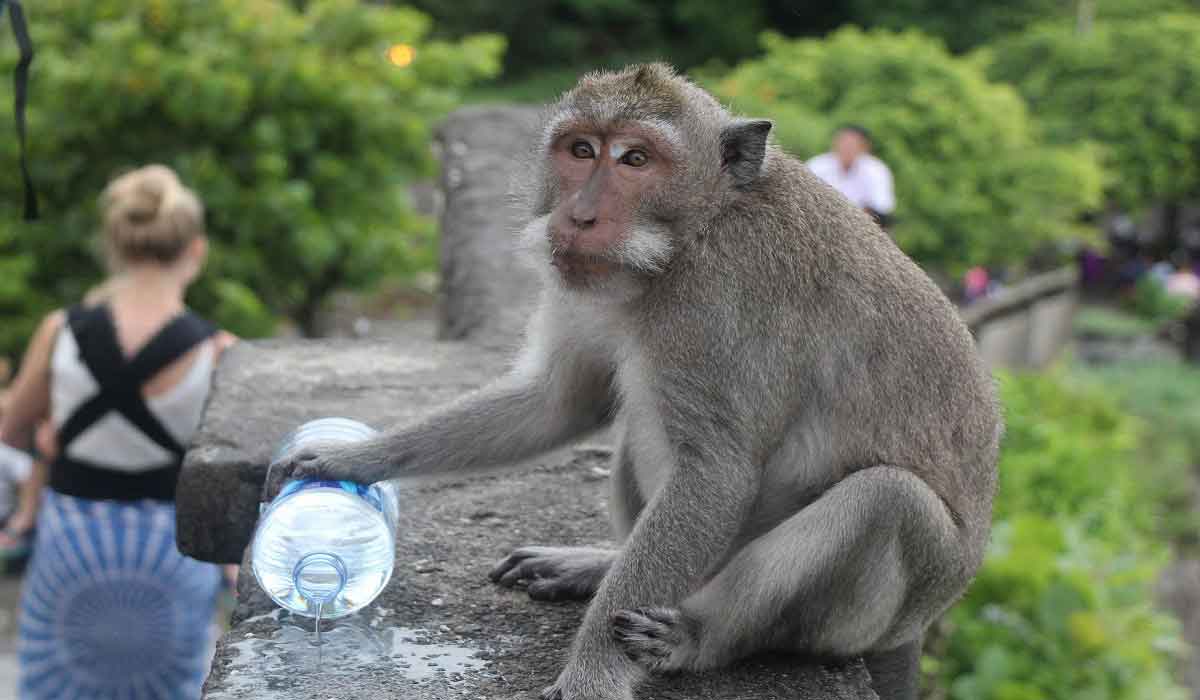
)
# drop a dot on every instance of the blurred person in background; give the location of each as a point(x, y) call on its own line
point(109, 607)
point(861, 177)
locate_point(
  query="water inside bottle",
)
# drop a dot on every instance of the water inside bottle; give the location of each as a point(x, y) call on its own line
point(324, 548)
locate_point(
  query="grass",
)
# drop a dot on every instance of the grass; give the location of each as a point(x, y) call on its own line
point(1112, 323)
point(1165, 395)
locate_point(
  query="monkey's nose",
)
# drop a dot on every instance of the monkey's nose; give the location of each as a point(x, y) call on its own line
point(583, 220)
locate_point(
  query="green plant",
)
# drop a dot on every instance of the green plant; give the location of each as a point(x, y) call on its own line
point(1063, 606)
point(1111, 323)
point(1151, 301)
point(293, 126)
point(1132, 86)
point(1163, 394)
point(974, 184)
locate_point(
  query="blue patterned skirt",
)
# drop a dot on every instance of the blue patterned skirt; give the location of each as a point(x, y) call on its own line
point(110, 608)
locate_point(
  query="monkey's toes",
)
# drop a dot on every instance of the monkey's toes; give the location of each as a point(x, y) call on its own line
point(656, 638)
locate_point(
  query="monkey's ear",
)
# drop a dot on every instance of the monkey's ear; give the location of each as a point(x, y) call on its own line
point(743, 145)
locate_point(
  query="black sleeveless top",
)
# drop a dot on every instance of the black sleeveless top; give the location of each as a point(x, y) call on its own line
point(121, 382)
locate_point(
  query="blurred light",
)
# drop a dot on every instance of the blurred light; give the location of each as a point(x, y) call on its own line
point(401, 54)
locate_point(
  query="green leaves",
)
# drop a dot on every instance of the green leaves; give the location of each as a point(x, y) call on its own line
point(975, 184)
point(1131, 85)
point(1063, 607)
point(294, 127)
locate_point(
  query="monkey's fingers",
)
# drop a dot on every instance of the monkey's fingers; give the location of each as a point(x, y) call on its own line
point(656, 638)
point(502, 572)
point(283, 470)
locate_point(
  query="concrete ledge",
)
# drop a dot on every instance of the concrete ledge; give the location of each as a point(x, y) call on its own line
point(264, 389)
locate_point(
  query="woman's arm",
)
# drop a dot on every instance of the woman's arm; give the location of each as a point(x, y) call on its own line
point(28, 401)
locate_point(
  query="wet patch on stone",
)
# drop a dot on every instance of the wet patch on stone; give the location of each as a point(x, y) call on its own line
point(284, 657)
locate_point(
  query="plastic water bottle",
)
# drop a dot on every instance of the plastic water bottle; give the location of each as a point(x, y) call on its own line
point(325, 548)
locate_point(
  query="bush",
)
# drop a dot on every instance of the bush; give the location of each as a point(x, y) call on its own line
point(974, 184)
point(1151, 300)
point(966, 24)
point(1132, 86)
point(1063, 607)
point(1162, 394)
point(293, 126)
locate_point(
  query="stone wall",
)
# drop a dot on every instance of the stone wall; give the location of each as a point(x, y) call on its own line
point(1027, 325)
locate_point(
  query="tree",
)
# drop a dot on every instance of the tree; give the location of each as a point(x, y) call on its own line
point(1132, 86)
point(299, 129)
point(974, 183)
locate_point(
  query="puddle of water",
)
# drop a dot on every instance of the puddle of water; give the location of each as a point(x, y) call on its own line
point(422, 660)
point(290, 657)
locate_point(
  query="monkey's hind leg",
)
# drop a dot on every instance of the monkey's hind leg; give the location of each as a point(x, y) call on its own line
point(555, 573)
point(866, 567)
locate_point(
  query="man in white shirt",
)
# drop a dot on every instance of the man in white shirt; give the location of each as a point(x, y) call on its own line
point(861, 177)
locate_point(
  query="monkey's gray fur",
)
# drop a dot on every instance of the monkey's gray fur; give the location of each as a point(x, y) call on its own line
point(809, 436)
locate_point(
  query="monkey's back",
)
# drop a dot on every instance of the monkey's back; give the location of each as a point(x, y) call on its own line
point(870, 355)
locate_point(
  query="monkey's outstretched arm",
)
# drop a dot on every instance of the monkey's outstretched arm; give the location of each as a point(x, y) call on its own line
point(684, 532)
point(552, 397)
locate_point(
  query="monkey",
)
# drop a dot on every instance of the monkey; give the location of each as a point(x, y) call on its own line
point(808, 436)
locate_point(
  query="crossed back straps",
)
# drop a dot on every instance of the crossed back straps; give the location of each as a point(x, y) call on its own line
point(121, 380)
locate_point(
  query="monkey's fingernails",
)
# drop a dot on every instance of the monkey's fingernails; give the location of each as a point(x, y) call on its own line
point(510, 578)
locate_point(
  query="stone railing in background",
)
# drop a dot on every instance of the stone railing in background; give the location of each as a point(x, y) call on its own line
point(1027, 325)
point(440, 630)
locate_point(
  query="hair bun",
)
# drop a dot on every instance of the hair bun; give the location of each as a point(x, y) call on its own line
point(149, 216)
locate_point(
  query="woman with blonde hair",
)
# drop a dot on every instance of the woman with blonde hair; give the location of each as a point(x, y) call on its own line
point(110, 608)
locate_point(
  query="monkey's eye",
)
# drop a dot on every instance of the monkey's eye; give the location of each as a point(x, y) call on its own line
point(635, 158)
point(582, 150)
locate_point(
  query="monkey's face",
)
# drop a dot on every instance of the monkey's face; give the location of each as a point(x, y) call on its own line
point(607, 178)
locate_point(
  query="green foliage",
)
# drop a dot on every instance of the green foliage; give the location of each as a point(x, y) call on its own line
point(1151, 301)
point(1163, 394)
point(974, 184)
point(966, 24)
point(575, 35)
point(1111, 323)
point(1131, 85)
point(293, 127)
point(962, 24)
point(1063, 607)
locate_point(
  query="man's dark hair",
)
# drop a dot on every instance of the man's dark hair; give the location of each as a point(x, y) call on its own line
point(857, 129)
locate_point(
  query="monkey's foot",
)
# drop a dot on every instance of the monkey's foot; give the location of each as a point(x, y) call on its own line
point(555, 573)
point(660, 639)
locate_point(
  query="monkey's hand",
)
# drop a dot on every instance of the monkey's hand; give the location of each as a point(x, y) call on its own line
point(353, 462)
point(662, 640)
point(555, 573)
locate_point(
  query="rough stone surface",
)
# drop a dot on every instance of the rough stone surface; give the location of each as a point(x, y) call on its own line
point(441, 630)
point(264, 389)
point(486, 286)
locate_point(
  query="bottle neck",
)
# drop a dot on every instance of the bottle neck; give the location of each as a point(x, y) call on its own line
point(319, 577)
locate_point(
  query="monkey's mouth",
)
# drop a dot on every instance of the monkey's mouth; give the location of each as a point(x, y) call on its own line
point(575, 266)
